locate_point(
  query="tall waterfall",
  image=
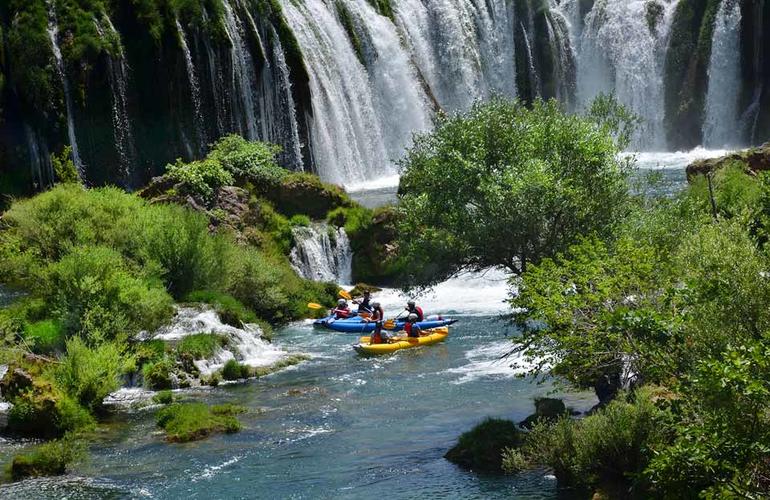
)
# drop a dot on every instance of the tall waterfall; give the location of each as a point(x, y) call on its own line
point(39, 160)
point(322, 253)
point(242, 77)
point(53, 34)
point(621, 53)
point(117, 72)
point(195, 88)
point(721, 128)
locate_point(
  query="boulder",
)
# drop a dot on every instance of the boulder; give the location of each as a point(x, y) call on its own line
point(753, 160)
point(548, 409)
point(305, 194)
point(14, 383)
point(481, 449)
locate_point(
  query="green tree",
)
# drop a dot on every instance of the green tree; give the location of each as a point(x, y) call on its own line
point(507, 185)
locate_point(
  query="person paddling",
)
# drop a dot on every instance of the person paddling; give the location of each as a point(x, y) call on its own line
point(342, 310)
point(379, 336)
point(411, 327)
point(363, 305)
point(377, 312)
point(415, 309)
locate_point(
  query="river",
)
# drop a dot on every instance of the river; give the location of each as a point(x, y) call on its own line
point(341, 425)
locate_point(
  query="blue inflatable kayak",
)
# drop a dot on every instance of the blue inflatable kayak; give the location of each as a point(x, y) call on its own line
point(357, 324)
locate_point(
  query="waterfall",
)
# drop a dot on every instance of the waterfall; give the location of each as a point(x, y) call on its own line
point(39, 159)
point(322, 253)
point(242, 73)
point(195, 90)
point(243, 344)
point(53, 35)
point(534, 80)
point(117, 73)
point(464, 49)
point(721, 128)
point(620, 53)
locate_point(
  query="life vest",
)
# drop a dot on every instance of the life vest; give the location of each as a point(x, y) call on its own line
point(412, 330)
point(341, 313)
point(420, 314)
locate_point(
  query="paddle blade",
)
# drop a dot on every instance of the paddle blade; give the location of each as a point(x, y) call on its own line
point(389, 324)
point(345, 295)
point(313, 305)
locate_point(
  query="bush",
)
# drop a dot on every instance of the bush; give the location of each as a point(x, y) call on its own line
point(201, 179)
point(45, 336)
point(47, 459)
point(233, 370)
point(201, 345)
point(193, 421)
point(90, 374)
point(45, 412)
point(229, 309)
point(481, 449)
point(149, 351)
point(299, 221)
point(252, 162)
point(163, 397)
point(157, 375)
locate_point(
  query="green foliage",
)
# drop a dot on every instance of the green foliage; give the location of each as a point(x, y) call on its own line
point(227, 409)
point(48, 459)
point(481, 449)
point(163, 397)
point(90, 374)
point(233, 370)
point(299, 221)
point(200, 179)
point(507, 185)
point(194, 421)
point(157, 374)
point(43, 411)
point(611, 445)
point(249, 161)
point(229, 309)
point(201, 345)
point(64, 167)
point(45, 336)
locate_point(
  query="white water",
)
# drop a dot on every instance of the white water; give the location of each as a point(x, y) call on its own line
point(53, 35)
point(117, 72)
point(195, 88)
point(242, 77)
point(244, 344)
point(721, 128)
point(322, 253)
point(619, 53)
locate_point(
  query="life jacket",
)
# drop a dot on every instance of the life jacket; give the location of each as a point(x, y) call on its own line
point(420, 314)
point(341, 313)
point(376, 337)
point(412, 330)
point(377, 314)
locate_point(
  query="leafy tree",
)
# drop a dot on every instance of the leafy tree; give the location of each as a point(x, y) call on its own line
point(507, 185)
point(64, 167)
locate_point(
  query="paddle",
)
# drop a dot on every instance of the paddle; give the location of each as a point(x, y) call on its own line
point(313, 305)
point(390, 324)
point(345, 295)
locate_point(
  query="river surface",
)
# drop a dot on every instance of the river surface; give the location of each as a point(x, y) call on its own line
point(341, 425)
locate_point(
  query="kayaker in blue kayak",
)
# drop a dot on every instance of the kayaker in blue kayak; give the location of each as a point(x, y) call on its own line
point(363, 305)
point(342, 310)
point(415, 309)
point(376, 313)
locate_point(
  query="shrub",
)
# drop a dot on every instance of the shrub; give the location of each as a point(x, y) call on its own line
point(46, 336)
point(192, 421)
point(149, 351)
point(299, 221)
point(45, 412)
point(47, 459)
point(481, 448)
point(249, 161)
point(229, 309)
point(64, 167)
point(164, 397)
point(233, 370)
point(90, 374)
point(157, 375)
point(201, 345)
point(200, 179)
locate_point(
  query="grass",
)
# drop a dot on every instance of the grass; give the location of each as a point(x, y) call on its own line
point(48, 459)
point(233, 370)
point(163, 397)
point(184, 422)
point(201, 345)
point(231, 311)
point(46, 336)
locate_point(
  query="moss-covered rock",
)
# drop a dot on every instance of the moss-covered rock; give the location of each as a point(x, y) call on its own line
point(481, 449)
point(185, 422)
point(49, 459)
point(157, 374)
point(751, 160)
point(547, 409)
point(302, 193)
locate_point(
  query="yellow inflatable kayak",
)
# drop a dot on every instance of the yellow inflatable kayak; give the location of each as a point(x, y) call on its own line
point(433, 336)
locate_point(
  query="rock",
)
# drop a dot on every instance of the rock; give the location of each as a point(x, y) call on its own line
point(14, 382)
point(548, 409)
point(5, 410)
point(481, 448)
point(305, 194)
point(158, 187)
point(752, 160)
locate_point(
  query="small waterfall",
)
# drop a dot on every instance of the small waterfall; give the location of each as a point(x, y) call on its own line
point(289, 128)
point(39, 159)
point(534, 80)
point(464, 49)
point(195, 89)
point(244, 344)
point(53, 35)
point(117, 72)
point(347, 137)
point(721, 128)
point(242, 73)
point(620, 53)
point(322, 253)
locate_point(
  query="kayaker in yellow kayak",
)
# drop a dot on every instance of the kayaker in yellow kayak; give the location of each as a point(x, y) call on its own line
point(411, 327)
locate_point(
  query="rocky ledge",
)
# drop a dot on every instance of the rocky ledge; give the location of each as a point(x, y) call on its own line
point(752, 160)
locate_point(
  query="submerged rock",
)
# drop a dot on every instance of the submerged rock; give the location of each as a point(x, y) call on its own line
point(481, 449)
point(548, 409)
